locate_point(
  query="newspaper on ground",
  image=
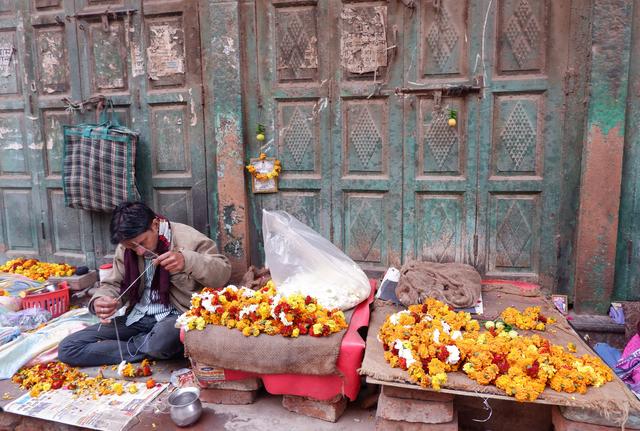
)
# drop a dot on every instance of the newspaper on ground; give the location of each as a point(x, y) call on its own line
point(107, 412)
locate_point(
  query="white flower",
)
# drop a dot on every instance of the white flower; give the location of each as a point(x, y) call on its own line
point(446, 327)
point(404, 352)
point(206, 303)
point(283, 319)
point(247, 293)
point(247, 310)
point(454, 355)
point(436, 335)
point(455, 335)
point(395, 318)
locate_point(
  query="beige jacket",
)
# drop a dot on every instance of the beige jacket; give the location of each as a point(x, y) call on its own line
point(203, 267)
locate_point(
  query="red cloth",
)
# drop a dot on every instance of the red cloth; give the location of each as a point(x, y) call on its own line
point(323, 387)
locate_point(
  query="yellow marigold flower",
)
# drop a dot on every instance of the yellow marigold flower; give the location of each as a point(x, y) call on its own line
point(295, 332)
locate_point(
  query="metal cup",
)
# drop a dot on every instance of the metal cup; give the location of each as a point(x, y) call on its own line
point(185, 405)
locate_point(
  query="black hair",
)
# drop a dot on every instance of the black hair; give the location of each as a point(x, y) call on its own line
point(129, 220)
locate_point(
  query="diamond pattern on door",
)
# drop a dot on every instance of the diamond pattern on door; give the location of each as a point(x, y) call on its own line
point(518, 135)
point(513, 236)
point(523, 33)
point(440, 235)
point(440, 138)
point(442, 37)
point(364, 229)
point(365, 136)
point(297, 136)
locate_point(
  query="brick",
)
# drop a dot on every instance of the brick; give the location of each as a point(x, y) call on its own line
point(560, 423)
point(252, 384)
point(227, 396)
point(389, 425)
point(410, 410)
point(326, 410)
point(578, 414)
point(416, 394)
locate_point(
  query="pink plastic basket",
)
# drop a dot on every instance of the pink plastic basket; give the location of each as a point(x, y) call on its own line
point(56, 302)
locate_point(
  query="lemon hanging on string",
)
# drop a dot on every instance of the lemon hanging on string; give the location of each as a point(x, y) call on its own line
point(260, 136)
point(453, 118)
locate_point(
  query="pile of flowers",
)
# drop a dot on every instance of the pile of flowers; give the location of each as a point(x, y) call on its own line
point(57, 375)
point(261, 311)
point(36, 270)
point(530, 318)
point(129, 370)
point(430, 340)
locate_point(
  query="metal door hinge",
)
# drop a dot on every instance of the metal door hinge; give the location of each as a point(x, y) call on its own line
point(44, 236)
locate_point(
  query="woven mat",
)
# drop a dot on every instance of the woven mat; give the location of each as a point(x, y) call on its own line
point(613, 399)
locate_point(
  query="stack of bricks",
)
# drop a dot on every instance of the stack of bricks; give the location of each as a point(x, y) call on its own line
point(234, 392)
point(327, 410)
point(401, 409)
point(560, 423)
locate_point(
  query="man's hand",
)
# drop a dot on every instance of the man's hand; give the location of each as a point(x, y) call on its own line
point(104, 307)
point(172, 261)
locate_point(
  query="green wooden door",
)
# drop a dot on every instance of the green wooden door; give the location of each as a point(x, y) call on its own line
point(375, 166)
point(137, 56)
point(485, 192)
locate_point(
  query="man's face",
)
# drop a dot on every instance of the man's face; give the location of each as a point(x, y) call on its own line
point(145, 243)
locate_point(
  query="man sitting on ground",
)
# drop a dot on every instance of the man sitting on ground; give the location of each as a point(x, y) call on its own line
point(170, 261)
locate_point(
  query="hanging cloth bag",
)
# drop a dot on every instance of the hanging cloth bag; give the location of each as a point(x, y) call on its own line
point(99, 164)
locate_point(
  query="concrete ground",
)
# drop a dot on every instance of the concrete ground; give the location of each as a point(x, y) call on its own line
point(265, 414)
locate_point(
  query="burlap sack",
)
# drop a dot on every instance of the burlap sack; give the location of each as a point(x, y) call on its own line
point(265, 354)
point(456, 284)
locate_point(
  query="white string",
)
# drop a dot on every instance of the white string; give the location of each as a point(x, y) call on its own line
point(486, 407)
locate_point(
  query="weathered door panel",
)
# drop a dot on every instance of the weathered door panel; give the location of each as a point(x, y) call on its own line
point(53, 75)
point(21, 214)
point(520, 138)
point(367, 132)
point(138, 59)
point(294, 64)
point(441, 161)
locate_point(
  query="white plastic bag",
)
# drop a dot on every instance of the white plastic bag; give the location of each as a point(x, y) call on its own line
point(302, 261)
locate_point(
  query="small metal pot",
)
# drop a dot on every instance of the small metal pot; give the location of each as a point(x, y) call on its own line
point(186, 407)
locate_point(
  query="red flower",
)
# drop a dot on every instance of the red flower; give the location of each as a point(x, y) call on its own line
point(443, 353)
point(308, 300)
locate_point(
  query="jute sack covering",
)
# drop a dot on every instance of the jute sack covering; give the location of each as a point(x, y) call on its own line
point(265, 354)
point(456, 284)
point(613, 401)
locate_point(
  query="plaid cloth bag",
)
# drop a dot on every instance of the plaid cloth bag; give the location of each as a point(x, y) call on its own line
point(99, 165)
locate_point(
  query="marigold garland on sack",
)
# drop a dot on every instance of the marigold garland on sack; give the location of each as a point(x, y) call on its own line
point(57, 375)
point(430, 340)
point(261, 311)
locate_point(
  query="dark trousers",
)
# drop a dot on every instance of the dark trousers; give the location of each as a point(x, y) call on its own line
point(98, 345)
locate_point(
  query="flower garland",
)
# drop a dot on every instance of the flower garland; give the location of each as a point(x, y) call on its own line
point(430, 340)
point(530, 318)
point(262, 311)
point(36, 270)
point(57, 375)
point(277, 167)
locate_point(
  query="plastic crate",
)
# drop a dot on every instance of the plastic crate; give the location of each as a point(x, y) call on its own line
point(56, 302)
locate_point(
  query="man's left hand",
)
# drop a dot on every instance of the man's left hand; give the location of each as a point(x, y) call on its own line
point(172, 261)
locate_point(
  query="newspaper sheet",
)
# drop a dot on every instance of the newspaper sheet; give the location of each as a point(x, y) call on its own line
point(108, 412)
